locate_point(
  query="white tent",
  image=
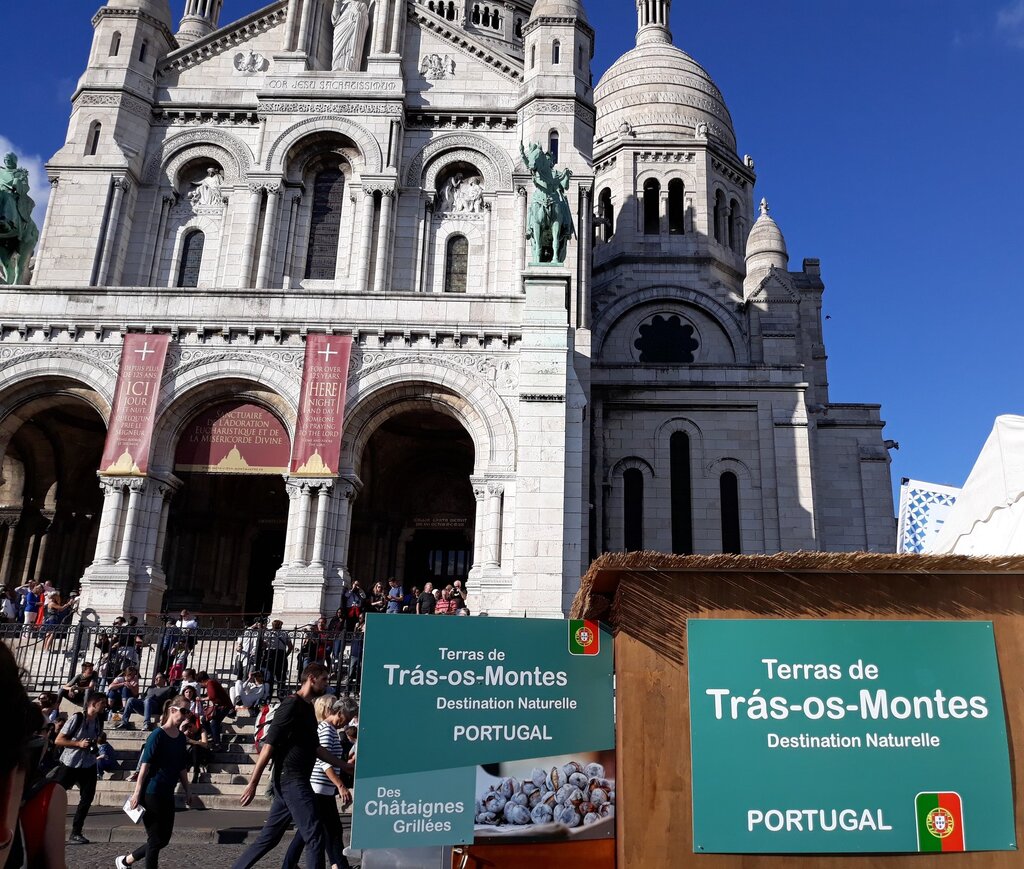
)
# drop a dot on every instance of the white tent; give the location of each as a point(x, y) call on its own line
point(988, 517)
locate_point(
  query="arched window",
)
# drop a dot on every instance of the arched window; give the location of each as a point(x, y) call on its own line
point(579, 58)
point(729, 490)
point(142, 50)
point(495, 20)
point(606, 211)
point(486, 19)
point(518, 29)
point(456, 264)
point(633, 509)
point(652, 206)
point(719, 217)
point(115, 44)
point(451, 11)
point(92, 143)
point(682, 506)
point(556, 52)
point(553, 145)
point(325, 224)
point(676, 207)
point(191, 258)
point(734, 225)
point(533, 56)
point(475, 17)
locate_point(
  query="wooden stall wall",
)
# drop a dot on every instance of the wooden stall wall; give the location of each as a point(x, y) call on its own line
point(649, 610)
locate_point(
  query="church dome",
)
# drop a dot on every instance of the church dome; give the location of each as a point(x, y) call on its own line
point(558, 9)
point(158, 9)
point(661, 93)
point(765, 244)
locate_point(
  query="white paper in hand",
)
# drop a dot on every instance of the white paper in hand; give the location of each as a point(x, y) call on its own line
point(134, 814)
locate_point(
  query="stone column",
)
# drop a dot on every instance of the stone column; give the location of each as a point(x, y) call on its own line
point(397, 27)
point(488, 286)
point(493, 539)
point(424, 234)
point(301, 526)
point(302, 41)
point(292, 490)
point(44, 539)
point(479, 493)
point(166, 203)
point(245, 261)
point(136, 489)
point(269, 236)
point(166, 493)
point(508, 31)
point(380, 273)
point(347, 490)
point(323, 507)
point(380, 26)
point(290, 26)
point(585, 235)
point(103, 275)
point(365, 235)
point(520, 230)
point(110, 519)
point(9, 522)
point(41, 243)
point(289, 248)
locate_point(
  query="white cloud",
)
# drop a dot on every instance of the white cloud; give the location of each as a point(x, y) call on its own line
point(38, 183)
point(1010, 23)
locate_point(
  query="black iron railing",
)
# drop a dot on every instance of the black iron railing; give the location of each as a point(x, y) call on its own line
point(51, 656)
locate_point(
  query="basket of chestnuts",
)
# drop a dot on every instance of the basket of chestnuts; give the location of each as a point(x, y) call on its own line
point(572, 799)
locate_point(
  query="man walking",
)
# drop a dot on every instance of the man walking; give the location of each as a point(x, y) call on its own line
point(78, 739)
point(292, 742)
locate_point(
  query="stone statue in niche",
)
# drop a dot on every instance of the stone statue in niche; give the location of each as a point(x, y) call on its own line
point(18, 232)
point(549, 220)
point(463, 194)
point(207, 191)
point(350, 20)
point(435, 67)
point(250, 62)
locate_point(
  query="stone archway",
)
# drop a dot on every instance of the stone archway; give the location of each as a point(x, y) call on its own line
point(51, 441)
point(227, 523)
point(416, 515)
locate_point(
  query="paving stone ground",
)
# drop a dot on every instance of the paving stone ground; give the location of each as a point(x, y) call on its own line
point(180, 854)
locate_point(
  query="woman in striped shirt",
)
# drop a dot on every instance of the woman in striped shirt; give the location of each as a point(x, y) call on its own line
point(327, 785)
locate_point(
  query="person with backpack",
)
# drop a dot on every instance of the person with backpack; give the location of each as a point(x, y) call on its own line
point(78, 759)
point(163, 763)
point(293, 744)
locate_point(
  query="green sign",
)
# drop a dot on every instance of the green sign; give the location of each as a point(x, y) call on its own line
point(443, 695)
point(847, 736)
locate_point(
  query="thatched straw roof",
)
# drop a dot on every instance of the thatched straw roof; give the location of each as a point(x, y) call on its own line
point(826, 582)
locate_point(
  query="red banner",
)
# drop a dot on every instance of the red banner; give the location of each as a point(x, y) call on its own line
point(130, 434)
point(234, 437)
point(322, 406)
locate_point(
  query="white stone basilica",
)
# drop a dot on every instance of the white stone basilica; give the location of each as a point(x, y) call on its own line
point(353, 169)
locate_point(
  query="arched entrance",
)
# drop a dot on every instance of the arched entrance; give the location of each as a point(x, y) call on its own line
point(227, 524)
point(415, 516)
point(50, 502)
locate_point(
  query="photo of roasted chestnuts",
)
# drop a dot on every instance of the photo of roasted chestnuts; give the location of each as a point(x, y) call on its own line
point(572, 794)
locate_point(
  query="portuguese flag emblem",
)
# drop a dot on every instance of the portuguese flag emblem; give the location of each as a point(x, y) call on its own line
point(584, 637)
point(940, 821)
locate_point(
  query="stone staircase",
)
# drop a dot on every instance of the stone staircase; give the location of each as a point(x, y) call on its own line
point(220, 788)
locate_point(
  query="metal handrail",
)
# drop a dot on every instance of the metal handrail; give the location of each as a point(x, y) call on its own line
point(224, 653)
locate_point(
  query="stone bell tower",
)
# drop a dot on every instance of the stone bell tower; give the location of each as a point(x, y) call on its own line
point(107, 137)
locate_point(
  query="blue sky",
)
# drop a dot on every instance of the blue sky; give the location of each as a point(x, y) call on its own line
point(887, 135)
